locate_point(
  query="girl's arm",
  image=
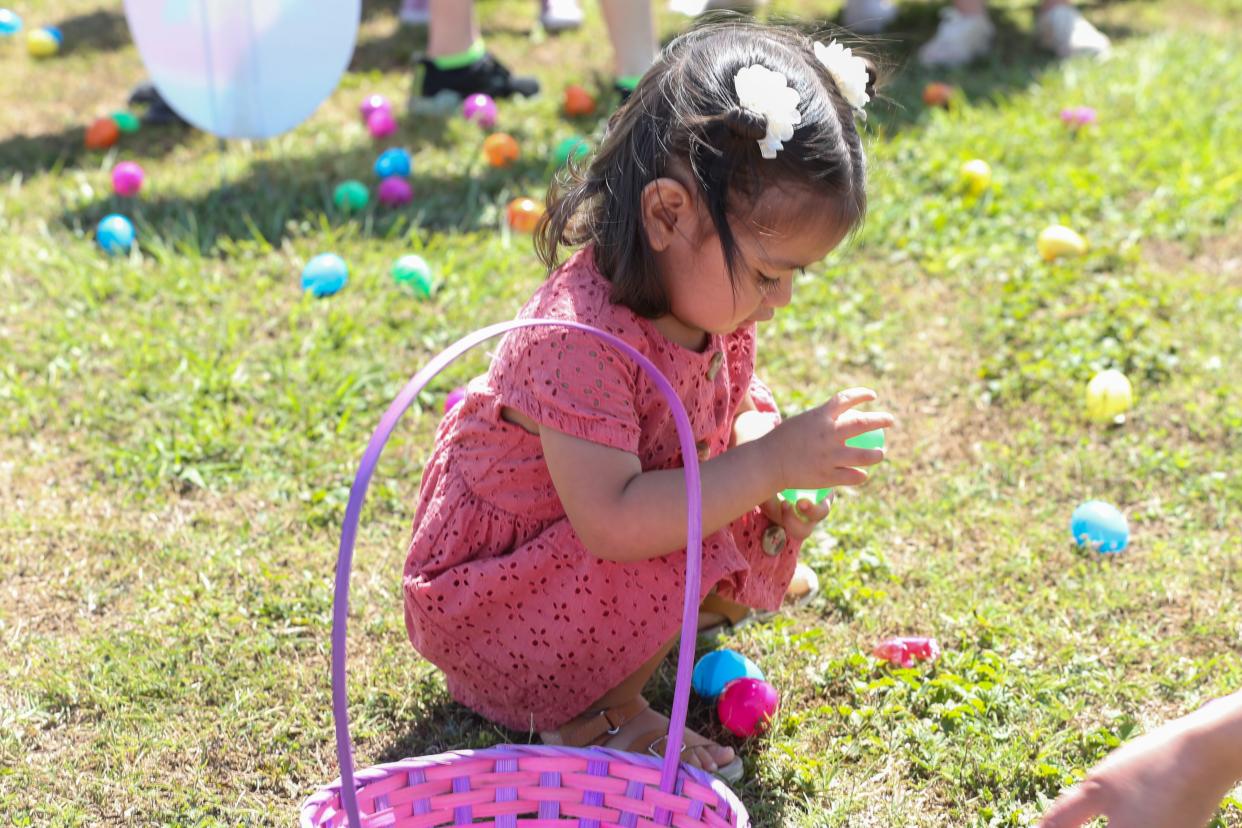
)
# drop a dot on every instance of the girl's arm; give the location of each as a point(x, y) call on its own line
point(622, 513)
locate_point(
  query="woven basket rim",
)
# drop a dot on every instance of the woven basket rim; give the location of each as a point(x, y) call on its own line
point(365, 776)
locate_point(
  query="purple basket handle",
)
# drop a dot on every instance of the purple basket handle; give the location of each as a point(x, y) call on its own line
point(358, 492)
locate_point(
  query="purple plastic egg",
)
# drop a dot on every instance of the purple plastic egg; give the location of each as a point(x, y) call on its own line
point(127, 178)
point(481, 109)
point(747, 706)
point(454, 397)
point(381, 124)
point(395, 191)
point(374, 103)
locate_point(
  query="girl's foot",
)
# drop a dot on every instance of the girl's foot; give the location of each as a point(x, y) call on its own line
point(960, 39)
point(1063, 29)
point(633, 726)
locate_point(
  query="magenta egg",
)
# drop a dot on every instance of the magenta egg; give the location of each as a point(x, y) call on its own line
point(454, 397)
point(394, 191)
point(127, 178)
point(374, 103)
point(381, 124)
point(481, 109)
point(747, 706)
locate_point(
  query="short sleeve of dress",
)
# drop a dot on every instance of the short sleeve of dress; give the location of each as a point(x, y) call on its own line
point(570, 381)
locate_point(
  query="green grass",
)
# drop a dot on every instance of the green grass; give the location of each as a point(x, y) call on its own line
point(178, 431)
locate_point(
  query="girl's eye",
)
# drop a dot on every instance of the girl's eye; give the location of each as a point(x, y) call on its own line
point(767, 284)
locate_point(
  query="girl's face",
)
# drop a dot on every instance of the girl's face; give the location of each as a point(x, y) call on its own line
point(784, 232)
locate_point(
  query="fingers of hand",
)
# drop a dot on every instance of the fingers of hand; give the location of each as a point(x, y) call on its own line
point(773, 509)
point(858, 422)
point(1074, 808)
point(847, 399)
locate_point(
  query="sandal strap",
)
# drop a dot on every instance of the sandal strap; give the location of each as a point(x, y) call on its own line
point(648, 742)
point(593, 726)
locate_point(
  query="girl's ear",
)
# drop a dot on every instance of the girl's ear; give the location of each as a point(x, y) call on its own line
point(669, 211)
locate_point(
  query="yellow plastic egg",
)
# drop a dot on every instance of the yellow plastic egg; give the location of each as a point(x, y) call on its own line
point(41, 43)
point(1057, 241)
point(977, 176)
point(1108, 395)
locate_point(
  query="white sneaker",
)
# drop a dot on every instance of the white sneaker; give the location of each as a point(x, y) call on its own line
point(561, 15)
point(693, 8)
point(1063, 29)
point(415, 12)
point(868, 17)
point(960, 39)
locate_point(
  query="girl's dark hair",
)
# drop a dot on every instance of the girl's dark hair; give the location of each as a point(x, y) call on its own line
point(686, 110)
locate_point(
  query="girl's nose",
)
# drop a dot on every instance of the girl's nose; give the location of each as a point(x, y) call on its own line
point(782, 296)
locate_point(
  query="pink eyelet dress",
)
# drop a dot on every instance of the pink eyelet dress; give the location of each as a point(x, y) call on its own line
point(527, 624)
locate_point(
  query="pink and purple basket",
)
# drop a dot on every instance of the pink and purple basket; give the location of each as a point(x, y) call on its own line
point(524, 786)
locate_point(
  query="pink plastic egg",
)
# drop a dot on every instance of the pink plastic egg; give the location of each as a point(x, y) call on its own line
point(394, 191)
point(747, 706)
point(454, 397)
point(381, 124)
point(481, 109)
point(374, 103)
point(127, 178)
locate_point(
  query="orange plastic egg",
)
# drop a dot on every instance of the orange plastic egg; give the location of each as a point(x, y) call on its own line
point(102, 134)
point(578, 101)
point(500, 149)
point(937, 94)
point(524, 214)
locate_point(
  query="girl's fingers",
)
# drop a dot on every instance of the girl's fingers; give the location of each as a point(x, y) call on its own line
point(773, 509)
point(859, 422)
point(853, 457)
point(1072, 809)
point(847, 399)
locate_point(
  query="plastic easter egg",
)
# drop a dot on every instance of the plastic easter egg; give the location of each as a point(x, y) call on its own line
point(578, 101)
point(325, 274)
point(414, 271)
point(500, 149)
point(747, 706)
point(101, 134)
point(1101, 526)
point(56, 35)
point(10, 22)
point(454, 398)
point(976, 175)
point(394, 191)
point(373, 103)
point(395, 161)
point(480, 109)
point(1058, 241)
point(938, 94)
point(125, 121)
point(127, 178)
point(524, 214)
point(867, 440)
point(873, 439)
point(351, 196)
point(1108, 396)
point(115, 234)
point(244, 68)
point(41, 44)
point(813, 495)
point(715, 670)
point(575, 147)
point(381, 123)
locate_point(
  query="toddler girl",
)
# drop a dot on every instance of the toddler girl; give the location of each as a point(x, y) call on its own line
point(545, 575)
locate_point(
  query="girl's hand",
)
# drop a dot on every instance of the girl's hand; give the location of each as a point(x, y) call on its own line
point(810, 448)
point(800, 521)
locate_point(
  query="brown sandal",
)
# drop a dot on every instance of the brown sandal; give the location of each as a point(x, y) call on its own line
point(597, 727)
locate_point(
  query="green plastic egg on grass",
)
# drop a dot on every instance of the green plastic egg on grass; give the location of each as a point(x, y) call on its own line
point(414, 271)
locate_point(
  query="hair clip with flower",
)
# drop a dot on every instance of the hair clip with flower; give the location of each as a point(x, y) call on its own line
point(848, 70)
point(768, 94)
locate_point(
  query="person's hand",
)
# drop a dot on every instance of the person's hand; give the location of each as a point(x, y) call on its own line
point(810, 448)
point(1161, 780)
point(797, 521)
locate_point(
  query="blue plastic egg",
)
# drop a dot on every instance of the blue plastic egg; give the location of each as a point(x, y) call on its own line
point(56, 34)
point(1101, 526)
point(325, 274)
point(395, 161)
point(10, 23)
point(715, 670)
point(115, 234)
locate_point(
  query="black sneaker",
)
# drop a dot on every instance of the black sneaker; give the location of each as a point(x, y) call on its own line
point(486, 75)
point(158, 112)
